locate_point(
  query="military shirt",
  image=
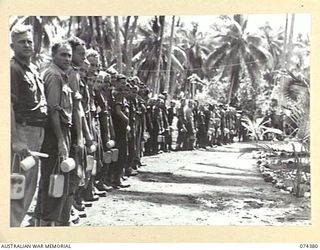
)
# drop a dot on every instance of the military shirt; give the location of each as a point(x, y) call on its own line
point(27, 94)
point(58, 93)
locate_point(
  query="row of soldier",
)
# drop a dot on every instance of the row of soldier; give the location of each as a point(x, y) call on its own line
point(92, 127)
point(86, 123)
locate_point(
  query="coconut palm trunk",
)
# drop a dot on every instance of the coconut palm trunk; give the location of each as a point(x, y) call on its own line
point(289, 54)
point(283, 65)
point(130, 44)
point(158, 68)
point(99, 40)
point(169, 56)
point(125, 44)
point(118, 44)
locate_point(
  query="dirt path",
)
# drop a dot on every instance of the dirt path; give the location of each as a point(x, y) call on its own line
point(200, 187)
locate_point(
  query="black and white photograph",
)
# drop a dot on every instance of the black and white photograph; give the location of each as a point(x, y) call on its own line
point(160, 120)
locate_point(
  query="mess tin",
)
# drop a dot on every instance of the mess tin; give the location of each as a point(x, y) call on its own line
point(110, 144)
point(67, 165)
point(28, 162)
point(107, 157)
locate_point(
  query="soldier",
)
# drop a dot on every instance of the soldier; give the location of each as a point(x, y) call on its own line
point(222, 139)
point(190, 137)
point(171, 115)
point(216, 124)
point(141, 120)
point(131, 167)
point(51, 210)
point(207, 116)
point(149, 127)
point(104, 132)
point(163, 122)
point(121, 127)
point(79, 124)
point(28, 115)
point(201, 128)
point(181, 140)
point(154, 113)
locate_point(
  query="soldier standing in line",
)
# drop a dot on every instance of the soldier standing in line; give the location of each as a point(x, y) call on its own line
point(171, 115)
point(142, 100)
point(130, 169)
point(51, 210)
point(181, 140)
point(121, 127)
point(163, 121)
point(190, 125)
point(154, 132)
point(28, 115)
point(207, 116)
point(77, 176)
point(201, 129)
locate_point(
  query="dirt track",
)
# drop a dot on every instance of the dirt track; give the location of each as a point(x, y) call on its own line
point(218, 186)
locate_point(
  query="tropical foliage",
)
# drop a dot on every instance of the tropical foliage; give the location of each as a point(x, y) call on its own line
point(257, 128)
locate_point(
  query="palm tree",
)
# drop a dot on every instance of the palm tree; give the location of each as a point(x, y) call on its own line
point(196, 47)
point(146, 51)
point(274, 44)
point(239, 53)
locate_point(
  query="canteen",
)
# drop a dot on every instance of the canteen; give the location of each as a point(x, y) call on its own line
point(115, 154)
point(94, 168)
point(56, 185)
point(28, 163)
point(110, 144)
point(92, 148)
point(161, 138)
point(67, 165)
point(90, 163)
point(146, 135)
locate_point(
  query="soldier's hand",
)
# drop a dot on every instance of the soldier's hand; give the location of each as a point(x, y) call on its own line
point(63, 150)
point(21, 149)
point(128, 129)
point(91, 145)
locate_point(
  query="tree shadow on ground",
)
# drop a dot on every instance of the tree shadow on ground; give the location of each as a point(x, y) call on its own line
point(214, 201)
point(167, 177)
point(230, 168)
point(232, 149)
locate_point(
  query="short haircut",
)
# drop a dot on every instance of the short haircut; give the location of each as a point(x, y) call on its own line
point(20, 29)
point(76, 41)
point(58, 45)
point(92, 53)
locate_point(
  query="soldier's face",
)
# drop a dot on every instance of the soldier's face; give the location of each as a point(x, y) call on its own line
point(63, 57)
point(94, 65)
point(98, 82)
point(91, 80)
point(78, 55)
point(22, 45)
point(83, 70)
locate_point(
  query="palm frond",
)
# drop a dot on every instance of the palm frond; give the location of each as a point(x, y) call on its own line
point(177, 63)
point(216, 55)
point(180, 52)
